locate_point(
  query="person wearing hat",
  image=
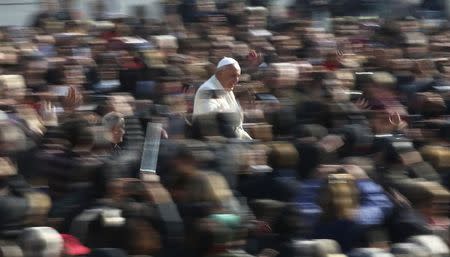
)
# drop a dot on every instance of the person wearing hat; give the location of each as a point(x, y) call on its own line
point(216, 94)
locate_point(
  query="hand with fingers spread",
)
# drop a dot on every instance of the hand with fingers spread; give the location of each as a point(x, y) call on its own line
point(73, 99)
point(48, 114)
point(362, 103)
point(254, 58)
point(397, 122)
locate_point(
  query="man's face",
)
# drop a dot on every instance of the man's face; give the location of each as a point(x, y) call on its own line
point(117, 134)
point(230, 78)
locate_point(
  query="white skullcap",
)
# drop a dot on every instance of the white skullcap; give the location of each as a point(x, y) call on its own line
point(227, 61)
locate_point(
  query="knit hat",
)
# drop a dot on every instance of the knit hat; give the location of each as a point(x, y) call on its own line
point(40, 242)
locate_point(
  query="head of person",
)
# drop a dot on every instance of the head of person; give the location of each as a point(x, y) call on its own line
point(78, 134)
point(114, 124)
point(339, 197)
point(183, 161)
point(228, 73)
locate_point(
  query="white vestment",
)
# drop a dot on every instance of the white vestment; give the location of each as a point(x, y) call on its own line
point(224, 101)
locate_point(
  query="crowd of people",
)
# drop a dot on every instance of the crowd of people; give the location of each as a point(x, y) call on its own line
point(278, 135)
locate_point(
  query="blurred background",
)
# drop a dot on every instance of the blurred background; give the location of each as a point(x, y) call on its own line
point(18, 12)
point(346, 104)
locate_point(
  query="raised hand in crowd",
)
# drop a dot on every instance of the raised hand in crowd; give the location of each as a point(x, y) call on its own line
point(48, 113)
point(73, 99)
point(254, 58)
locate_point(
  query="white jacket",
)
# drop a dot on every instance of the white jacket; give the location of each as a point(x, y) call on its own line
point(224, 101)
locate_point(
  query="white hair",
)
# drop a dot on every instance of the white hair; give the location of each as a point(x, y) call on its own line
point(113, 119)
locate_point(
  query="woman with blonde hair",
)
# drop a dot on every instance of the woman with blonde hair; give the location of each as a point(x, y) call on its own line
point(339, 201)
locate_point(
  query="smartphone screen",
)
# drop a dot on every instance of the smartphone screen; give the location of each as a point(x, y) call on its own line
point(60, 90)
point(82, 52)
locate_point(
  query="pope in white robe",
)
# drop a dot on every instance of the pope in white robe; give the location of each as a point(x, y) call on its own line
point(216, 94)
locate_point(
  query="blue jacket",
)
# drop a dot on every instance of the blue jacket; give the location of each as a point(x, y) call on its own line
point(375, 206)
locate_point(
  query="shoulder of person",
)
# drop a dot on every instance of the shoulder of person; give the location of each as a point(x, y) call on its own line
point(211, 94)
point(208, 85)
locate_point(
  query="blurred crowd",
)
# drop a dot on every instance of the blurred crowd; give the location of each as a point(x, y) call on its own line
point(347, 152)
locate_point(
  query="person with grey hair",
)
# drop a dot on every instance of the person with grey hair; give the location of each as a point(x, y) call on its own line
point(216, 94)
point(114, 124)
